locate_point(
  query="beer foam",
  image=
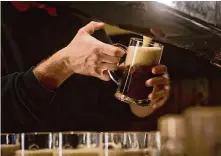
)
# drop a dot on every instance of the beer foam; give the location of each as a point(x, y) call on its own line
point(9, 150)
point(79, 152)
point(43, 152)
point(143, 55)
point(130, 152)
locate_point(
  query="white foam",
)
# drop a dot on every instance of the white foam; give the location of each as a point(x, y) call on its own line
point(43, 152)
point(79, 152)
point(9, 150)
point(131, 152)
point(143, 55)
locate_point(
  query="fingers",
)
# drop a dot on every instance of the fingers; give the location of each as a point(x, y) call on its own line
point(113, 50)
point(102, 74)
point(157, 81)
point(160, 69)
point(109, 59)
point(101, 60)
point(92, 26)
point(105, 76)
point(159, 94)
point(161, 88)
point(122, 66)
point(159, 98)
point(108, 66)
point(154, 96)
point(160, 102)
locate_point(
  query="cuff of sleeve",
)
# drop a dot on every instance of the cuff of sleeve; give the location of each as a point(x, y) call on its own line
point(37, 91)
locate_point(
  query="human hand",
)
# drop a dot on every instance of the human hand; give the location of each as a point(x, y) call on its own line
point(161, 86)
point(91, 57)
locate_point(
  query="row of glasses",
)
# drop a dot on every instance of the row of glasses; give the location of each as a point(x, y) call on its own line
point(80, 144)
point(132, 144)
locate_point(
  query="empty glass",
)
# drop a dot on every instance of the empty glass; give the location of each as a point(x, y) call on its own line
point(172, 129)
point(203, 125)
point(78, 144)
point(153, 143)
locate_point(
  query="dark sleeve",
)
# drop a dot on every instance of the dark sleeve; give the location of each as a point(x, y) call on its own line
point(23, 99)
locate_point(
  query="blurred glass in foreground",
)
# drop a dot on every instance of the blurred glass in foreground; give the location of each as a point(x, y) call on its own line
point(203, 125)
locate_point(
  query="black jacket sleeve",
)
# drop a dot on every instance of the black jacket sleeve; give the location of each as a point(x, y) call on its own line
point(23, 100)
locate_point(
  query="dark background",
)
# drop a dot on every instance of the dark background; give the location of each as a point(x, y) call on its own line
point(194, 81)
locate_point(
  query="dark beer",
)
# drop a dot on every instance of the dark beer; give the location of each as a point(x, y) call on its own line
point(138, 69)
point(133, 82)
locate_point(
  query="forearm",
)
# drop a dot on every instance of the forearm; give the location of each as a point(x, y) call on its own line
point(54, 71)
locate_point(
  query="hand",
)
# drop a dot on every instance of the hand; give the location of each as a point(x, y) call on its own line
point(84, 55)
point(89, 56)
point(161, 86)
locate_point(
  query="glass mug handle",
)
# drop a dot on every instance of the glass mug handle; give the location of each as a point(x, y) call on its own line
point(112, 74)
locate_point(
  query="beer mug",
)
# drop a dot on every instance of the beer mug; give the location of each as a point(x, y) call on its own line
point(140, 59)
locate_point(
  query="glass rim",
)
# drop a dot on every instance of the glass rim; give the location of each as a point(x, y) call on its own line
point(37, 133)
point(3, 134)
point(78, 132)
point(169, 116)
point(127, 132)
point(140, 40)
point(199, 112)
point(153, 132)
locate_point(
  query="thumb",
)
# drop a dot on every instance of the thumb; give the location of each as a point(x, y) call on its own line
point(105, 76)
point(122, 66)
point(92, 26)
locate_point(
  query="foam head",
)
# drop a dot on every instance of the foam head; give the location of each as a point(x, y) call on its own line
point(147, 56)
point(8, 150)
point(79, 152)
point(43, 152)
